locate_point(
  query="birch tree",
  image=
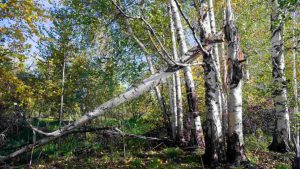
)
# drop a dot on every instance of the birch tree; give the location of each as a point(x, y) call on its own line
point(235, 143)
point(281, 135)
point(216, 56)
point(189, 82)
point(178, 111)
point(172, 102)
point(214, 150)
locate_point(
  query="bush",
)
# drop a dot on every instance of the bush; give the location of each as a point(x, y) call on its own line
point(172, 152)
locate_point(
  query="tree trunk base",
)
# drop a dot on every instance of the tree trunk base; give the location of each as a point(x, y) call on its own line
point(236, 151)
point(281, 147)
point(214, 153)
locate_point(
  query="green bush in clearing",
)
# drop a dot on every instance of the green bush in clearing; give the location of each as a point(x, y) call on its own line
point(172, 152)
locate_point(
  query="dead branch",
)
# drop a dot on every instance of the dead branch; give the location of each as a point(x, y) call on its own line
point(112, 131)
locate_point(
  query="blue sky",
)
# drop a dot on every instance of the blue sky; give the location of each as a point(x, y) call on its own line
point(33, 40)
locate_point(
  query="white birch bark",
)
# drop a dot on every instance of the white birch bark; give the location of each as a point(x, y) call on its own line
point(179, 111)
point(235, 147)
point(216, 55)
point(172, 102)
point(281, 135)
point(214, 150)
point(193, 118)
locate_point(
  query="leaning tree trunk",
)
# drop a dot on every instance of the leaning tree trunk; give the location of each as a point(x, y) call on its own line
point(160, 98)
point(177, 84)
point(131, 94)
point(214, 147)
point(235, 142)
point(62, 91)
point(281, 135)
point(193, 118)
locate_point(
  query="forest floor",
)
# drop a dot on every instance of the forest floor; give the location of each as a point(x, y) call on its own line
point(94, 150)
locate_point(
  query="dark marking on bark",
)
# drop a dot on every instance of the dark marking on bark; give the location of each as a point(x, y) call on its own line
point(235, 72)
point(173, 68)
point(235, 150)
point(279, 144)
point(214, 147)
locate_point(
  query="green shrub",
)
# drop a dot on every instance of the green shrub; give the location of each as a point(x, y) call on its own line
point(172, 152)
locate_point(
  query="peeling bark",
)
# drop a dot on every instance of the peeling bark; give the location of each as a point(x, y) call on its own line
point(281, 135)
point(235, 141)
point(214, 147)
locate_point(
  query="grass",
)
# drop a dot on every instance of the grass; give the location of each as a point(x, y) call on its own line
point(93, 151)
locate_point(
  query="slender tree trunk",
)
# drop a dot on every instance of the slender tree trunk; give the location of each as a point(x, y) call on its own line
point(179, 118)
point(176, 85)
point(193, 118)
point(235, 142)
point(62, 92)
point(214, 148)
point(295, 85)
point(173, 107)
point(281, 135)
point(157, 91)
point(216, 57)
point(295, 88)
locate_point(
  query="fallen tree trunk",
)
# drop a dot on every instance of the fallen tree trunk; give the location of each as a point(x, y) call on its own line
point(132, 93)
